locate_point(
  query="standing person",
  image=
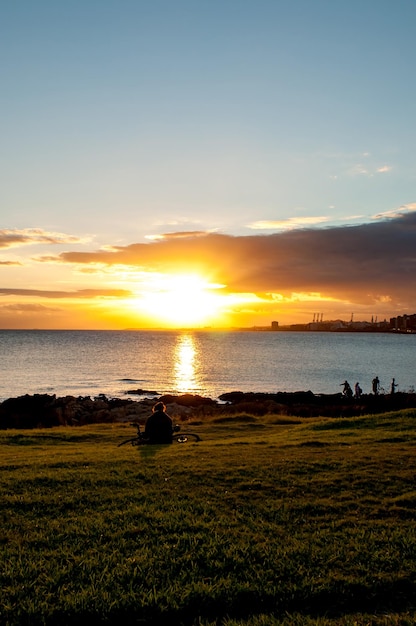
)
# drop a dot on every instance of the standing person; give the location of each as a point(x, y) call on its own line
point(376, 385)
point(358, 390)
point(393, 385)
point(347, 391)
point(159, 425)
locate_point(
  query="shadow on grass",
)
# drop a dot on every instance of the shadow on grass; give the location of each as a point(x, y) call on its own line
point(148, 452)
point(234, 419)
point(39, 438)
point(197, 607)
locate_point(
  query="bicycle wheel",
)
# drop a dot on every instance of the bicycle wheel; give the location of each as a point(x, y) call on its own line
point(184, 437)
point(134, 441)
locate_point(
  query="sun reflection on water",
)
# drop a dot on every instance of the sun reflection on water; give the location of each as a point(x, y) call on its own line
point(185, 369)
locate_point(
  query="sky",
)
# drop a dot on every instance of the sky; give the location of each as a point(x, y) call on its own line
point(206, 163)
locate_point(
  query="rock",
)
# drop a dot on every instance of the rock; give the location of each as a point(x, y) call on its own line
point(44, 411)
point(142, 392)
point(187, 399)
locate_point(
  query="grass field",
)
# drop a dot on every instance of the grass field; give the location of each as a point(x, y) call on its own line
point(265, 521)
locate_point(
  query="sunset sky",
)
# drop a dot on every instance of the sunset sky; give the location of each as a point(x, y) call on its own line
point(206, 163)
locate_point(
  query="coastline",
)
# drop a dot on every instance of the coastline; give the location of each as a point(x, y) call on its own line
point(46, 411)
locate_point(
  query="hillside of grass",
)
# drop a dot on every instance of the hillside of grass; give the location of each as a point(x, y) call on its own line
point(267, 520)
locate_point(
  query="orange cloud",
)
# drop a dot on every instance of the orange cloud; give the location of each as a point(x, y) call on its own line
point(11, 238)
point(361, 263)
point(80, 293)
point(27, 308)
point(178, 235)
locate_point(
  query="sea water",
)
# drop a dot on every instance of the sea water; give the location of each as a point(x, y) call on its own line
point(209, 363)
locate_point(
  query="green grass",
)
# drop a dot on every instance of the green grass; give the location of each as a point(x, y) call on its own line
point(265, 521)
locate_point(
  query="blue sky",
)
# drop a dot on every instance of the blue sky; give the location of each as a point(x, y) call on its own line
point(121, 121)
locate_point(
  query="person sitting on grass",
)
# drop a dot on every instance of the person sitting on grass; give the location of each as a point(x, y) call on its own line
point(159, 425)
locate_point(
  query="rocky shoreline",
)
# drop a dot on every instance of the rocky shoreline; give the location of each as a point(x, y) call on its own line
point(45, 411)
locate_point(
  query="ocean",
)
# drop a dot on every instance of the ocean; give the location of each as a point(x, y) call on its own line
point(208, 363)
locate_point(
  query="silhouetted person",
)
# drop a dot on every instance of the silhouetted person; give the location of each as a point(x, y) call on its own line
point(159, 425)
point(358, 390)
point(347, 391)
point(376, 385)
point(393, 385)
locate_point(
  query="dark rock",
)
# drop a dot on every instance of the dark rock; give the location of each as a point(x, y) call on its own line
point(44, 411)
point(142, 392)
point(187, 399)
point(29, 411)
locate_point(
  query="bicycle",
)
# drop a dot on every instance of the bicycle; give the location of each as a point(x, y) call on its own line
point(177, 436)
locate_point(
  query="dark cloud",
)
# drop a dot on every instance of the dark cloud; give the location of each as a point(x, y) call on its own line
point(80, 293)
point(362, 263)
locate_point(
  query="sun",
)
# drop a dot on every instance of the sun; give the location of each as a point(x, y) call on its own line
point(182, 300)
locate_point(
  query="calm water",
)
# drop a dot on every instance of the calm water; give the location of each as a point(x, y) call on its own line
point(207, 363)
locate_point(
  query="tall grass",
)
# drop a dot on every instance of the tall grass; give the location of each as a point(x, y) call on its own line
point(265, 521)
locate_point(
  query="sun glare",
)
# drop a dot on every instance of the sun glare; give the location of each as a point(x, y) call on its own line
point(182, 300)
point(185, 357)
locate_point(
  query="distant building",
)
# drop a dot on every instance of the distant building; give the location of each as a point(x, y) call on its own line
point(403, 323)
point(275, 325)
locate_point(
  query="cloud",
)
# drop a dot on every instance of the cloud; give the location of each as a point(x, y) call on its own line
point(12, 238)
point(10, 263)
point(80, 293)
point(360, 170)
point(363, 170)
point(394, 213)
point(363, 263)
point(178, 235)
point(27, 308)
point(287, 224)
